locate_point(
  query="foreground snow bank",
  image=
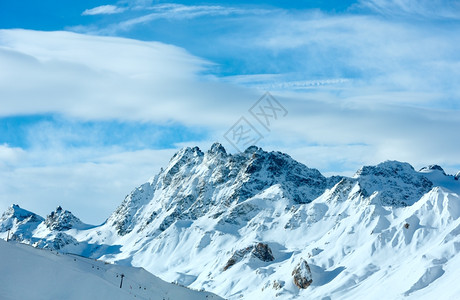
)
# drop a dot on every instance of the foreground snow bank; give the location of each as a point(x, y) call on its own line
point(30, 273)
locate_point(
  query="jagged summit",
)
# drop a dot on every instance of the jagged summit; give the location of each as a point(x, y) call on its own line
point(20, 221)
point(217, 148)
point(187, 153)
point(432, 168)
point(16, 214)
point(61, 219)
point(15, 211)
point(392, 183)
point(195, 183)
point(252, 149)
point(388, 168)
point(260, 225)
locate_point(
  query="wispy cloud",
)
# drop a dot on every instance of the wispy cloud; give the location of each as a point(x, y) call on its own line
point(427, 9)
point(138, 13)
point(89, 182)
point(359, 88)
point(416, 62)
point(103, 10)
point(97, 77)
point(10, 156)
point(280, 82)
point(183, 12)
point(379, 56)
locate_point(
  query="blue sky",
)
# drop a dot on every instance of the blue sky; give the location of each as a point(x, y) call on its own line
point(97, 95)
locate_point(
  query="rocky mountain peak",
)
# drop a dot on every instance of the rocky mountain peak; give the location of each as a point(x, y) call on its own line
point(61, 220)
point(196, 184)
point(390, 168)
point(242, 224)
point(252, 149)
point(16, 212)
point(187, 153)
point(431, 168)
point(217, 148)
point(393, 183)
point(19, 217)
point(193, 184)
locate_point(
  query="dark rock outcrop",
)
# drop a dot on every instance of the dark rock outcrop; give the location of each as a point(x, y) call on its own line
point(260, 251)
point(60, 220)
point(432, 168)
point(396, 183)
point(302, 275)
point(263, 252)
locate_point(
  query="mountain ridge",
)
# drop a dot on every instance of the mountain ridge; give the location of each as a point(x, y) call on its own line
point(199, 219)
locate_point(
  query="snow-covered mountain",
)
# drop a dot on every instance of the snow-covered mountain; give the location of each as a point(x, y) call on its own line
point(261, 225)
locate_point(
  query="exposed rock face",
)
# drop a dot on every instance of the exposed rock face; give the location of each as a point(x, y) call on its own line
point(302, 275)
point(263, 252)
point(196, 183)
point(457, 176)
point(260, 251)
point(128, 211)
point(212, 206)
point(60, 220)
point(278, 284)
point(432, 168)
point(60, 240)
point(396, 183)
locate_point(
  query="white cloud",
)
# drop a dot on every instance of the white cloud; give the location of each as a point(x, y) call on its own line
point(383, 58)
point(180, 11)
point(9, 155)
point(431, 9)
point(345, 134)
point(391, 113)
point(89, 182)
point(93, 77)
point(280, 82)
point(103, 10)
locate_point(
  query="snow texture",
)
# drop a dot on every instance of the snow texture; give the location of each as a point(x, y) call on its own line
point(30, 273)
point(240, 225)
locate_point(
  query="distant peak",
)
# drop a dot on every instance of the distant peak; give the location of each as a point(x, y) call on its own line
point(14, 211)
point(59, 210)
point(390, 166)
point(196, 150)
point(187, 151)
point(397, 183)
point(217, 148)
point(457, 176)
point(61, 219)
point(252, 149)
point(394, 164)
point(431, 168)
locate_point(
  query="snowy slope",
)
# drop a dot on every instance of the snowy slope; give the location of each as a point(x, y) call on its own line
point(30, 273)
point(20, 222)
point(260, 225)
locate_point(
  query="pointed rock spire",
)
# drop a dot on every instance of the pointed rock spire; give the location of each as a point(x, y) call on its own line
point(217, 148)
point(61, 219)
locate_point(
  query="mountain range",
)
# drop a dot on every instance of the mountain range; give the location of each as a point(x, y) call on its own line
point(260, 225)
